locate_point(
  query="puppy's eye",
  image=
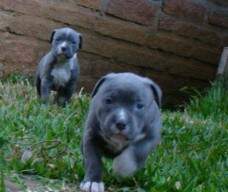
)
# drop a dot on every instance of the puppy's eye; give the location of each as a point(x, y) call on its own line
point(139, 106)
point(108, 101)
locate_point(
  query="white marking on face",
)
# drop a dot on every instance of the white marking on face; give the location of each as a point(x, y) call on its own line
point(122, 114)
point(63, 44)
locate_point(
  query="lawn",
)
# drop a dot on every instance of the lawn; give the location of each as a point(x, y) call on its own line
point(43, 143)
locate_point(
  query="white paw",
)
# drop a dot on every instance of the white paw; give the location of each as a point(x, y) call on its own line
point(89, 186)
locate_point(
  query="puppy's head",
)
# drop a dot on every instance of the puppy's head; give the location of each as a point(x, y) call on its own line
point(66, 42)
point(123, 103)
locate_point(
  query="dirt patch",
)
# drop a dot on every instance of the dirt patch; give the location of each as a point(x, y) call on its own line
point(34, 184)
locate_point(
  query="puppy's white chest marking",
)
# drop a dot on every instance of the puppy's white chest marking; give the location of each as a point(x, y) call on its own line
point(61, 73)
point(116, 143)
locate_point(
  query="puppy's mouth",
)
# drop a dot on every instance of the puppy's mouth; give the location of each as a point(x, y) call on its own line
point(118, 141)
point(115, 138)
point(63, 56)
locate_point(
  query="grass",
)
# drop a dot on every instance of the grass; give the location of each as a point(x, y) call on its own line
point(45, 141)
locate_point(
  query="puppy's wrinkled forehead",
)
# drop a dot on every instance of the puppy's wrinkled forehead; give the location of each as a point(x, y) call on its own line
point(123, 89)
point(64, 34)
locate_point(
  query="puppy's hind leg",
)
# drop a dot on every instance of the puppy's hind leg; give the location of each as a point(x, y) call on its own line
point(38, 85)
point(63, 95)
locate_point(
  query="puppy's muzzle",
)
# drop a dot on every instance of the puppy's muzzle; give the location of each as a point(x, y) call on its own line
point(121, 125)
point(121, 120)
point(63, 48)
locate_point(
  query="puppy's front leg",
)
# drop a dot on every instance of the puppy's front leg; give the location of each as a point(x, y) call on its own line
point(125, 164)
point(134, 157)
point(45, 89)
point(93, 165)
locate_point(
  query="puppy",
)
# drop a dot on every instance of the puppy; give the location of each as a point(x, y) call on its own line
point(123, 123)
point(59, 69)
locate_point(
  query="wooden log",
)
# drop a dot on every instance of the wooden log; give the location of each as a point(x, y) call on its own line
point(222, 72)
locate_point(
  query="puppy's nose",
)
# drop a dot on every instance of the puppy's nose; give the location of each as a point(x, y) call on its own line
point(121, 125)
point(63, 48)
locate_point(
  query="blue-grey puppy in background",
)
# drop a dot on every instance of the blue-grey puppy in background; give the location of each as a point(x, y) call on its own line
point(123, 123)
point(58, 70)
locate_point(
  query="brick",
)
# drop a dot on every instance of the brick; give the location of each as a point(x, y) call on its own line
point(169, 42)
point(190, 9)
point(121, 29)
point(92, 64)
point(208, 54)
point(36, 7)
point(33, 26)
point(5, 19)
point(81, 17)
point(171, 84)
point(94, 4)
point(96, 66)
point(219, 19)
point(22, 6)
point(122, 51)
point(141, 11)
point(20, 54)
point(189, 30)
point(190, 68)
point(184, 47)
point(142, 57)
point(59, 11)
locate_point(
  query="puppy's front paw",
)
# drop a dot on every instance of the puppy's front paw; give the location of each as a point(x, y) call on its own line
point(89, 186)
point(125, 165)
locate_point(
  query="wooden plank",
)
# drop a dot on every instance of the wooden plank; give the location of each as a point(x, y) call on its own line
point(222, 71)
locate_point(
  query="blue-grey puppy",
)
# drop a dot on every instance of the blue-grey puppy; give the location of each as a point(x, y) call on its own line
point(58, 70)
point(123, 123)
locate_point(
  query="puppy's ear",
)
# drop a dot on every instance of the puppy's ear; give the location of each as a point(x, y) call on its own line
point(97, 86)
point(156, 91)
point(80, 41)
point(100, 82)
point(52, 36)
